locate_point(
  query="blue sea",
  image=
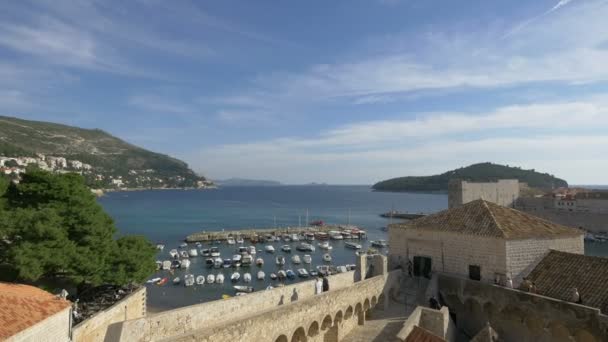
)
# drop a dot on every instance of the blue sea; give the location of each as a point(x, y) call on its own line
point(168, 216)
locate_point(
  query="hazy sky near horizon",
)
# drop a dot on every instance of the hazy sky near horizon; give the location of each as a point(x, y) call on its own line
point(344, 92)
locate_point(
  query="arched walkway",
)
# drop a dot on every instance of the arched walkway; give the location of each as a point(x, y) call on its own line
point(299, 335)
point(326, 323)
point(374, 301)
point(281, 338)
point(313, 330)
point(359, 314)
point(349, 313)
point(338, 318)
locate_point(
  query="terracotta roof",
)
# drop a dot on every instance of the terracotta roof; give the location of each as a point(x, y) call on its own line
point(488, 219)
point(22, 306)
point(419, 334)
point(559, 272)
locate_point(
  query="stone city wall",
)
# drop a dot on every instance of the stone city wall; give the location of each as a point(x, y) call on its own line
point(191, 318)
point(54, 328)
point(95, 328)
point(594, 220)
point(519, 316)
point(504, 192)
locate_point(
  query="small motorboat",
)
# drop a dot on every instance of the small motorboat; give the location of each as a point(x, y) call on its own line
point(209, 262)
point(193, 252)
point(173, 253)
point(235, 277)
point(247, 260)
point(159, 265)
point(251, 250)
point(200, 280)
point(322, 236)
point(296, 259)
point(198, 244)
point(307, 259)
point(184, 254)
point(261, 275)
point(309, 237)
point(183, 245)
point(259, 262)
point(280, 260)
point(351, 267)
point(210, 279)
point(379, 243)
point(247, 277)
point(269, 249)
point(269, 287)
point(324, 270)
point(243, 289)
point(305, 247)
point(303, 273)
point(231, 241)
point(242, 250)
point(176, 280)
point(153, 280)
point(352, 245)
point(185, 263)
point(294, 237)
point(290, 274)
point(286, 238)
point(313, 273)
point(325, 245)
point(281, 275)
point(162, 281)
point(236, 258)
point(273, 276)
point(217, 262)
point(189, 280)
point(176, 263)
point(227, 263)
point(286, 248)
point(326, 257)
point(160, 246)
point(219, 278)
point(205, 252)
point(215, 252)
point(240, 240)
point(166, 265)
point(341, 269)
point(240, 294)
point(334, 235)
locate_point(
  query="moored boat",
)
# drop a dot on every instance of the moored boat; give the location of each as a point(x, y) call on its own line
point(305, 247)
point(162, 281)
point(214, 251)
point(176, 280)
point(286, 248)
point(184, 254)
point(176, 263)
point(281, 275)
point(184, 263)
point(219, 278)
point(235, 277)
point(166, 265)
point(251, 250)
point(231, 241)
point(280, 260)
point(309, 236)
point(210, 278)
point(269, 249)
point(205, 252)
point(243, 289)
point(217, 262)
point(302, 273)
point(322, 236)
point(209, 262)
point(227, 263)
point(236, 258)
point(261, 275)
point(189, 280)
point(247, 277)
point(290, 274)
point(273, 276)
point(295, 237)
point(193, 252)
point(259, 262)
point(200, 280)
point(307, 259)
point(183, 245)
point(153, 280)
point(295, 259)
point(160, 246)
point(247, 260)
point(335, 235)
point(326, 257)
point(173, 253)
point(352, 245)
point(379, 243)
point(240, 240)
point(325, 245)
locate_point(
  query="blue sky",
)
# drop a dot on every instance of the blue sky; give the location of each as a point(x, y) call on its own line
point(346, 92)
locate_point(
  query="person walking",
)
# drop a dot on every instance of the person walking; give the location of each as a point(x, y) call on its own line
point(325, 284)
point(318, 286)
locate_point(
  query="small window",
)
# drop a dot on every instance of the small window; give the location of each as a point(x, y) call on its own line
point(475, 272)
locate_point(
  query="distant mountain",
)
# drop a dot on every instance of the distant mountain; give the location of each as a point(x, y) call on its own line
point(246, 182)
point(482, 172)
point(113, 162)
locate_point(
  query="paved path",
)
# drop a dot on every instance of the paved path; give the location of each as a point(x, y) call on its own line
point(382, 326)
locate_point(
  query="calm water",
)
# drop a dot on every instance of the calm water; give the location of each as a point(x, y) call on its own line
point(168, 216)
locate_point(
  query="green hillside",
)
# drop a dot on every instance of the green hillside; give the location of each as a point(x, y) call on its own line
point(108, 155)
point(483, 172)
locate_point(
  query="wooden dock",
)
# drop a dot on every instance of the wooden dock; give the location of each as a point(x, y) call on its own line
point(247, 234)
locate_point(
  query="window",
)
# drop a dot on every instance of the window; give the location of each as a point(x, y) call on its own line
point(474, 272)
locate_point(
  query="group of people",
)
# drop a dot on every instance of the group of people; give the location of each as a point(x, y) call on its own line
point(321, 285)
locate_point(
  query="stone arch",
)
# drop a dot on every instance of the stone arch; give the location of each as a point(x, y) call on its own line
point(313, 330)
point(281, 338)
point(381, 298)
point(359, 313)
point(366, 305)
point(338, 317)
point(559, 332)
point(584, 336)
point(349, 312)
point(326, 322)
point(374, 301)
point(299, 335)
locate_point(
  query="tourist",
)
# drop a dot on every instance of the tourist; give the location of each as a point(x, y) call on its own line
point(325, 284)
point(509, 283)
point(410, 268)
point(318, 286)
point(526, 285)
point(434, 303)
point(575, 297)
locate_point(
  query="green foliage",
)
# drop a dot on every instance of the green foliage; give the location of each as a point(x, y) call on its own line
point(483, 172)
point(55, 228)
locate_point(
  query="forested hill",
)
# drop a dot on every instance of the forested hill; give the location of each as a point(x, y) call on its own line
point(110, 158)
point(483, 172)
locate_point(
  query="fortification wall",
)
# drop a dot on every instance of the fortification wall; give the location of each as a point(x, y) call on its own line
point(594, 221)
point(95, 328)
point(191, 318)
point(503, 192)
point(519, 316)
point(54, 328)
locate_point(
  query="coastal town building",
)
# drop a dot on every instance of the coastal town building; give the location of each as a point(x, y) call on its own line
point(480, 240)
point(29, 314)
point(503, 192)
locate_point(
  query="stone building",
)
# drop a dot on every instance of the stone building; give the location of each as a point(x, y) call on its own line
point(504, 192)
point(480, 240)
point(30, 314)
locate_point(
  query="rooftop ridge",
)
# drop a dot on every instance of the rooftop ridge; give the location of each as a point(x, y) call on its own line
point(496, 222)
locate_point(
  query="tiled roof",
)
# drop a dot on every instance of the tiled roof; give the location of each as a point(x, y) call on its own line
point(559, 272)
point(488, 219)
point(22, 306)
point(419, 334)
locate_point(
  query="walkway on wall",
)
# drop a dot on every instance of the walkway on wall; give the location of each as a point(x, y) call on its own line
point(381, 325)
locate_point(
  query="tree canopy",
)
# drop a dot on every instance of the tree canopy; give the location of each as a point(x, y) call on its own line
point(52, 226)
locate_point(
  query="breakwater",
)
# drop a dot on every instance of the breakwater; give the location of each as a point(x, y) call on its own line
point(255, 234)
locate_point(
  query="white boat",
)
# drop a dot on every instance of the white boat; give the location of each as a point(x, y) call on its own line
point(294, 237)
point(307, 259)
point(200, 280)
point(173, 253)
point(326, 257)
point(324, 269)
point(259, 262)
point(251, 250)
point(325, 245)
point(261, 275)
point(219, 278)
point(269, 249)
point(335, 235)
point(281, 274)
point(193, 252)
point(184, 254)
point(243, 289)
point(242, 250)
point(205, 252)
point(280, 260)
point(160, 246)
point(183, 245)
point(210, 279)
point(247, 277)
point(215, 252)
point(296, 259)
point(247, 260)
point(159, 265)
point(217, 262)
point(380, 243)
point(309, 236)
point(273, 276)
point(302, 273)
point(184, 263)
point(231, 241)
point(198, 244)
point(188, 280)
point(286, 248)
point(240, 240)
point(305, 247)
point(166, 265)
point(235, 277)
point(155, 280)
point(176, 280)
point(342, 269)
point(352, 245)
point(236, 258)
